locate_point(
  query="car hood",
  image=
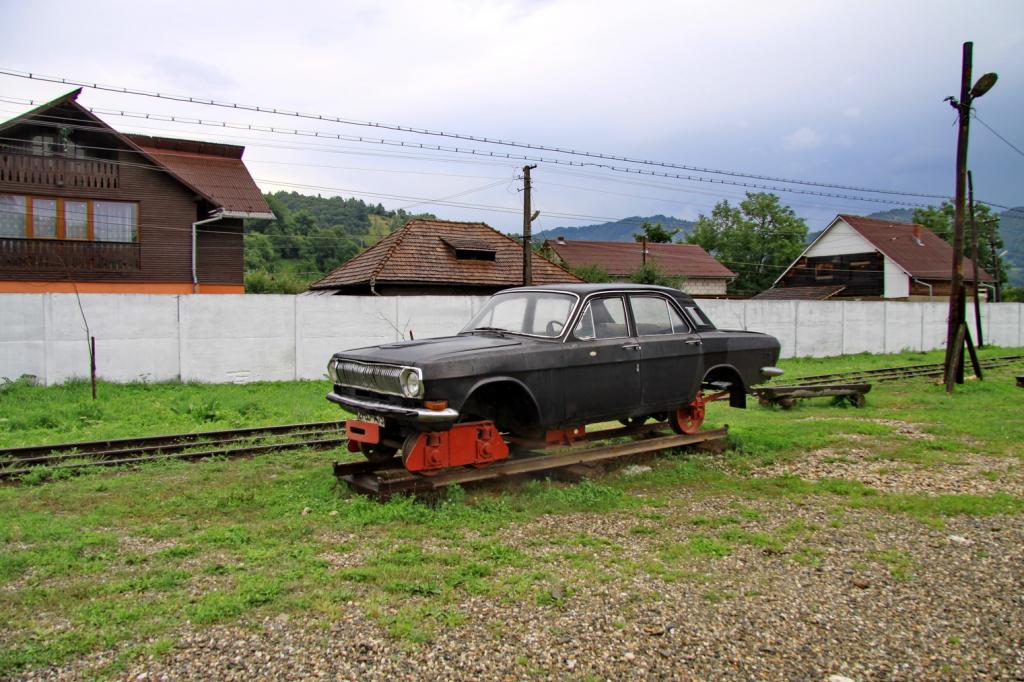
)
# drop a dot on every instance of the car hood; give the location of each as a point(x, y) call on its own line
point(418, 353)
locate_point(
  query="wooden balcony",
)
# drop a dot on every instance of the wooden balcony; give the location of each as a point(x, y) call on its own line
point(27, 256)
point(58, 172)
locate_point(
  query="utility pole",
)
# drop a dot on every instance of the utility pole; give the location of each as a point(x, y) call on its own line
point(997, 266)
point(954, 365)
point(974, 260)
point(528, 219)
point(957, 329)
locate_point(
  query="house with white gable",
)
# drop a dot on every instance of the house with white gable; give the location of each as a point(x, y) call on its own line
point(866, 258)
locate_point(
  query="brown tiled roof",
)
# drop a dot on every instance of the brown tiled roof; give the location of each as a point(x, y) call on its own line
point(216, 170)
point(801, 293)
point(932, 258)
point(418, 253)
point(620, 259)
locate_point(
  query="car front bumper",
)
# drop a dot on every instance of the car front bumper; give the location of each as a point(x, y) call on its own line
point(373, 407)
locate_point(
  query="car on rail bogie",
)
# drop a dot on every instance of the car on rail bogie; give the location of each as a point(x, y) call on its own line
point(537, 364)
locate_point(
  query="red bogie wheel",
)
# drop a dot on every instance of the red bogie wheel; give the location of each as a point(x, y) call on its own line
point(689, 418)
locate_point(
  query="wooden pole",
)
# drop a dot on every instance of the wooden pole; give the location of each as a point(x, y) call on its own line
point(957, 308)
point(974, 261)
point(92, 364)
point(527, 231)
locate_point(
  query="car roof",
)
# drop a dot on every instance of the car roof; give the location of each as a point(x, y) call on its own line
point(587, 289)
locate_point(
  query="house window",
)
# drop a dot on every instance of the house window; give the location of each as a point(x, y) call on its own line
point(823, 271)
point(13, 221)
point(25, 217)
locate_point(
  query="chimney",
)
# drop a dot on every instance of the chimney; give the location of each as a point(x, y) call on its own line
point(918, 233)
point(559, 240)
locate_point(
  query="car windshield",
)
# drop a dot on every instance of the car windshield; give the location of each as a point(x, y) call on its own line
point(537, 313)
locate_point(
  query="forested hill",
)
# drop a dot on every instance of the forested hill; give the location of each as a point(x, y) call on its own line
point(311, 236)
point(618, 231)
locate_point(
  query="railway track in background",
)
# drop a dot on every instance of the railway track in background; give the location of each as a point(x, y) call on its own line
point(19, 461)
point(893, 373)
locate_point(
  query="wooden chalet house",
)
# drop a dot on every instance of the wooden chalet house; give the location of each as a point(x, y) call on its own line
point(866, 258)
point(86, 208)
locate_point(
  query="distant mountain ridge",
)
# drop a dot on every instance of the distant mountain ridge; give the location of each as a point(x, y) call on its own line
point(618, 231)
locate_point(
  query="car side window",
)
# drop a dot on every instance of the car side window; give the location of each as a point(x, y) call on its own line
point(651, 315)
point(603, 318)
point(679, 326)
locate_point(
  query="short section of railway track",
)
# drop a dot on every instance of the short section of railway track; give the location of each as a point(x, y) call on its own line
point(20, 461)
point(893, 373)
point(383, 480)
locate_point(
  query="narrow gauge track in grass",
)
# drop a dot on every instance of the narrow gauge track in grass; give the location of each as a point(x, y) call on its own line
point(19, 461)
point(893, 373)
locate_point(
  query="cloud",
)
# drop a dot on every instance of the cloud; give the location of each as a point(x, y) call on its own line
point(804, 138)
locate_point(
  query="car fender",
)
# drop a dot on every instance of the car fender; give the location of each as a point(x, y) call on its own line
point(502, 379)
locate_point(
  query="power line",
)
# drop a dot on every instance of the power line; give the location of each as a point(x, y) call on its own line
point(993, 131)
point(459, 136)
point(520, 157)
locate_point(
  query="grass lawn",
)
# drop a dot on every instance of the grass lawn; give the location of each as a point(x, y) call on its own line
point(124, 558)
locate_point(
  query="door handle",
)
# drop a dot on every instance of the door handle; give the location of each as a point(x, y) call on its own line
point(633, 346)
point(694, 342)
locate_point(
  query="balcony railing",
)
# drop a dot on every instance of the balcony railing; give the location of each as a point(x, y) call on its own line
point(58, 171)
point(25, 256)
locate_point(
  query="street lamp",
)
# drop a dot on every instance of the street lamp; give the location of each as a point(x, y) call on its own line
point(957, 329)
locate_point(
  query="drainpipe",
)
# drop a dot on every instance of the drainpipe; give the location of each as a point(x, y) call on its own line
point(931, 291)
point(195, 274)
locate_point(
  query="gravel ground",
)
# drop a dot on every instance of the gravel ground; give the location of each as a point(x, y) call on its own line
point(863, 460)
point(876, 596)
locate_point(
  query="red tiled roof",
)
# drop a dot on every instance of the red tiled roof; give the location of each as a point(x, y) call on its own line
point(620, 259)
point(421, 252)
point(216, 170)
point(801, 293)
point(932, 258)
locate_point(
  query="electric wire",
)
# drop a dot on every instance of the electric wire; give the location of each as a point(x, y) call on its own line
point(453, 135)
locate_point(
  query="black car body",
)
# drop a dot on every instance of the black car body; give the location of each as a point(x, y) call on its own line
point(536, 359)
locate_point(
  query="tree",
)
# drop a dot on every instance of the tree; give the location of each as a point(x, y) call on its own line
point(656, 233)
point(591, 273)
point(649, 274)
point(757, 240)
point(939, 219)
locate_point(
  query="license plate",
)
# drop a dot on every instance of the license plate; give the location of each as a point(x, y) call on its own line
point(370, 418)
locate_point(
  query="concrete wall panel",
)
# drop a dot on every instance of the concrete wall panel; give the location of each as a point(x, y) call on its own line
point(862, 327)
point(817, 322)
point(725, 314)
point(778, 318)
point(237, 339)
point(903, 330)
point(1004, 324)
point(22, 336)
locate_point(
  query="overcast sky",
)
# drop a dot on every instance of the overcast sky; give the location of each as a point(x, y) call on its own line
point(848, 93)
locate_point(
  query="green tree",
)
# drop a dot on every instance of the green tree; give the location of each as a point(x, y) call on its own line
point(648, 273)
point(940, 219)
point(656, 233)
point(757, 239)
point(259, 252)
point(591, 273)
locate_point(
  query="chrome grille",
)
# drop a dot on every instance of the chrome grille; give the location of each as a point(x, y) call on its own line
point(381, 378)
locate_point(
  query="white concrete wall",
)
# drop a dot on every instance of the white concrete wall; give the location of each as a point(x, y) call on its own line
point(254, 338)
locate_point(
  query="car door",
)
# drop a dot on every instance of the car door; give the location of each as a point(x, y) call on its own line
point(671, 361)
point(601, 377)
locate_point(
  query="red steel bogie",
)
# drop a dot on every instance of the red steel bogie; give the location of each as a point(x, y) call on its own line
point(361, 432)
point(469, 444)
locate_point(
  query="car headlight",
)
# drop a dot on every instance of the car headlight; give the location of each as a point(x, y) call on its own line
point(412, 382)
point(332, 371)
